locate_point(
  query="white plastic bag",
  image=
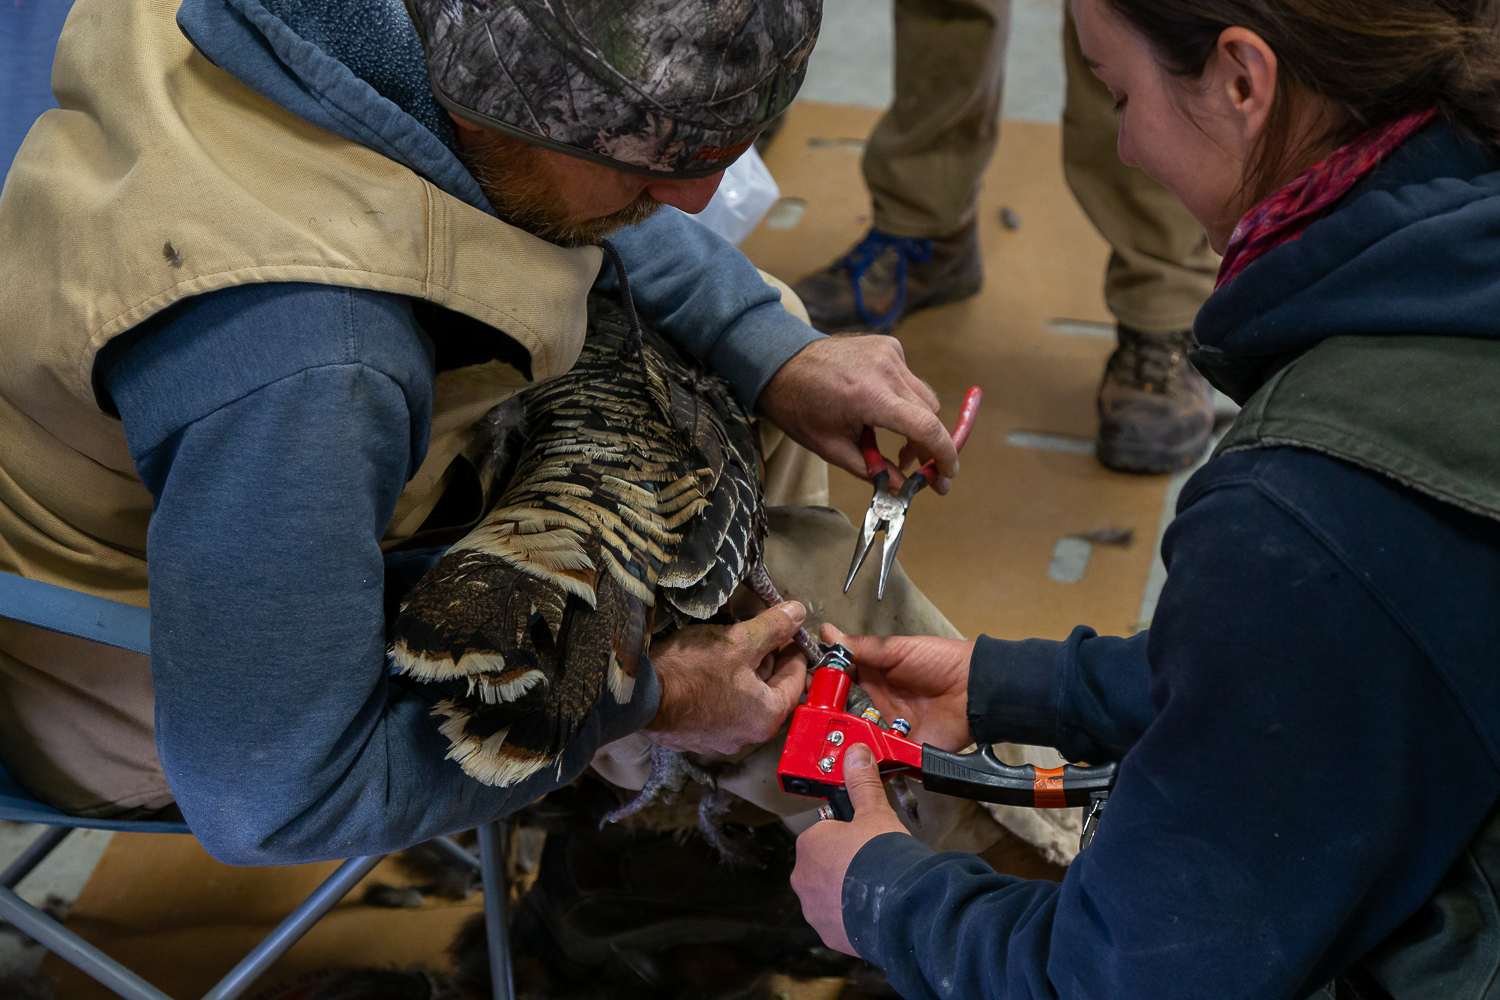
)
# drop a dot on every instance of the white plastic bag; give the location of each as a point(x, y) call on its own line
point(745, 195)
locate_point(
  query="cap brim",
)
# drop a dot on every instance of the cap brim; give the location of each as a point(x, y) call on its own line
point(527, 136)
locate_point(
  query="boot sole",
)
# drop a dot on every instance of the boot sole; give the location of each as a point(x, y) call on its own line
point(946, 296)
point(943, 298)
point(1146, 459)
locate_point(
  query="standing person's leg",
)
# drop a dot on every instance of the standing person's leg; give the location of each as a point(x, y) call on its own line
point(1155, 412)
point(922, 165)
point(924, 159)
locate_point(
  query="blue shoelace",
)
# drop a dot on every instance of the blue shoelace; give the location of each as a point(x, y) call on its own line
point(917, 250)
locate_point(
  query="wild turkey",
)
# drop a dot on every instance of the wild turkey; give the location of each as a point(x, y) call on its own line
point(635, 504)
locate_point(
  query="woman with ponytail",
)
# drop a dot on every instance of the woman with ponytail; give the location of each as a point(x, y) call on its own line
point(1309, 733)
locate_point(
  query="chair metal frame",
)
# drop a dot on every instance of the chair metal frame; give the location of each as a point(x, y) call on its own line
point(112, 623)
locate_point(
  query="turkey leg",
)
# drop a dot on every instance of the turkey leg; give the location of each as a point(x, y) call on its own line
point(758, 580)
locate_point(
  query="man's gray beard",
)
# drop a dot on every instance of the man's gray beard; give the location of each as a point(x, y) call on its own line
point(525, 195)
point(579, 234)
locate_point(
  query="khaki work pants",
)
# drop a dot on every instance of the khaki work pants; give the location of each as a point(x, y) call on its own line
point(924, 161)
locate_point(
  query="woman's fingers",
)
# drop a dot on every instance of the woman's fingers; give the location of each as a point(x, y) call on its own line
point(868, 650)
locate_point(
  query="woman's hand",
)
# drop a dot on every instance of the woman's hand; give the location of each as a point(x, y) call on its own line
point(724, 687)
point(920, 678)
point(825, 849)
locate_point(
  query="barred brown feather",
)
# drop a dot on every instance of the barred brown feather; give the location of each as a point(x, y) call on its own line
point(638, 479)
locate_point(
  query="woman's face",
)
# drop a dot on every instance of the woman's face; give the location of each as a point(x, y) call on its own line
point(1194, 136)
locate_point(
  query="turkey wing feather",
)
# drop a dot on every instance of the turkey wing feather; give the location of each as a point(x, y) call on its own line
point(638, 476)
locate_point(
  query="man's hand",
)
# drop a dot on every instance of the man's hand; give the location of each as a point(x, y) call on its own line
point(921, 678)
point(826, 394)
point(825, 849)
point(726, 686)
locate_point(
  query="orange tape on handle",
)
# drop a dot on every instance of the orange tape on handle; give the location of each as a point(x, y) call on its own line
point(1049, 788)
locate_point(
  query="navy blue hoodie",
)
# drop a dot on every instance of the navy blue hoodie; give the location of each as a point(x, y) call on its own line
point(1309, 734)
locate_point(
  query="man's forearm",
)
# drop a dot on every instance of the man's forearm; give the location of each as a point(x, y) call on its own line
point(275, 447)
point(709, 299)
point(278, 726)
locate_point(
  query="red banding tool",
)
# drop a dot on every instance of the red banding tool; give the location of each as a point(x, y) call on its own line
point(822, 732)
point(888, 512)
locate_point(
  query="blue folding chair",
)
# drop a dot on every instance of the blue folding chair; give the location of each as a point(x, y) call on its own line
point(112, 623)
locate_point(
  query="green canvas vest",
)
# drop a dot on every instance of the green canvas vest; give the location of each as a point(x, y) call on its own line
point(1424, 411)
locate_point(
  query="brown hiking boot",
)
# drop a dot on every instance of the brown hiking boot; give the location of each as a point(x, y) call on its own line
point(884, 278)
point(1156, 414)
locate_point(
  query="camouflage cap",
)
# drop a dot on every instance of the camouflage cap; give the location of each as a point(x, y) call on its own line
point(675, 87)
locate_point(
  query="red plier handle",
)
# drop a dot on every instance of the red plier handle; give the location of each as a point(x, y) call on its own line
point(876, 463)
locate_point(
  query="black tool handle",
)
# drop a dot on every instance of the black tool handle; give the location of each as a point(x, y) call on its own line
point(985, 778)
point(837, 796)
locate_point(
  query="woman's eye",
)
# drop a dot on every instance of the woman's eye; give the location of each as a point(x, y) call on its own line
point(1120, 105)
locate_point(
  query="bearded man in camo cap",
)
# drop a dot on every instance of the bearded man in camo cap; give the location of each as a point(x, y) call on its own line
point(262, 274)
point(653, 91)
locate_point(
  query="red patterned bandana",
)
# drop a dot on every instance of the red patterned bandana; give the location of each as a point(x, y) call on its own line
point(1284, 216)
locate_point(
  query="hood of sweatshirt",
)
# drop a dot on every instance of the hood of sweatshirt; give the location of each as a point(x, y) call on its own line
point(354, 69)
point(1413, 249)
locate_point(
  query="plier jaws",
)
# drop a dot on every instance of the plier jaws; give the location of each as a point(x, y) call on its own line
point(888, 513)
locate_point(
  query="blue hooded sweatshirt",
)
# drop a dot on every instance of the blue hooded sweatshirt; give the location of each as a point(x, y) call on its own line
point(277, 424)
point(28, 36)
point(1309, 734)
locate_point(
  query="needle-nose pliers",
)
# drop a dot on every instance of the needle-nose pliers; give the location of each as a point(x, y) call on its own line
point(888, 512)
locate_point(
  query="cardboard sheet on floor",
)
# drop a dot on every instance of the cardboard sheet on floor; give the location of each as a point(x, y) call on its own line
point(1036, 340)
point(162, 906)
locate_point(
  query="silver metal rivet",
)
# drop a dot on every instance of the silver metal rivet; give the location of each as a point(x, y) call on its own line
point(826, 764)
point(836, 738)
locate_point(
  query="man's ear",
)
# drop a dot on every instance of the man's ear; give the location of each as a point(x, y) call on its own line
point(1245, 72)
point(467, 129)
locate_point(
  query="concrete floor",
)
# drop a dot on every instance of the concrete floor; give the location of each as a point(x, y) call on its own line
point(52, 887)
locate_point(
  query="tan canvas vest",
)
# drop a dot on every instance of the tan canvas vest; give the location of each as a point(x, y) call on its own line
point(162, 177)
